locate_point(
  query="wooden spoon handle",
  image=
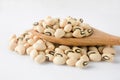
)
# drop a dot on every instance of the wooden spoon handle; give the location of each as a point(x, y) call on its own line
point(98, 38)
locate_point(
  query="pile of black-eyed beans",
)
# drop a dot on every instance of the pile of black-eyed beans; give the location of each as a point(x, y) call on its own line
point(67, 28)
point(43, 51)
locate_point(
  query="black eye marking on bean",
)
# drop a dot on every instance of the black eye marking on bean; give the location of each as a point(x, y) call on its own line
point(25, 34)
point(58, 54)
point(48, 33)
point(27, 39)
point(51, 52)
point(69, 52)
point(77, 50)
point(47, 26)
point(105, 58)
point(35, 23)
point(47, 58)
point(69, 22)
point(81, 20)
point(92, 53)
point(85, 63)
point(20, 38)
point(77, 28)
point(82, 32)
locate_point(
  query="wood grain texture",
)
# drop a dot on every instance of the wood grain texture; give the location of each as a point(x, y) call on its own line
point(97, 38)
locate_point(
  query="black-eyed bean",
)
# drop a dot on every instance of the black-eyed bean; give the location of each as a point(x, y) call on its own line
point(20, 49)
point(68, 28)
point(12, 44)
point(59, 60)
point(49, 21)
point(77, 50)
point(68, 34)
point(13, 37)
point(82, 62)
point(92, 48)
point(56, 26)
point(40, 58)
point(59, 33)
point(74, 55)
point(94, 56)
point(71, 62)
point(39, 46)
point(78, 33)
point(64, 47)
point(109, 50)
point(68, 51)
point(40, 29)
point(29, 49)
point(33, 53)
point(59, 50)
point(31, 41)
point(88, 32)
point(63, 23)
point(107, 57)
point(49, 32)
point(50, 45)
point(50, 57)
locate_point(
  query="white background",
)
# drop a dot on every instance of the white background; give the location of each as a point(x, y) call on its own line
point(16, 16)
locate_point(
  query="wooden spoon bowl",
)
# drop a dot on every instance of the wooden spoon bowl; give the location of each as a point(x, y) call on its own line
point(97, 38)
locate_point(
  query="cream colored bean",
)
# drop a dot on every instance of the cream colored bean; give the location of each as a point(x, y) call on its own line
point(68, 34)
point(107, 57)
point(33, 53)
point(94, 56)
point(59, 33)
point(48, 51)
point(63, 23)
point(50, 45)
point(56, 26)
point(12, 44)
point(93, 49)
point(29, 49)
point(85, 26)
point(109, 50)
point(88, 32)
point(35, 38)
point(40, 29)
point(59, 60)
point(58, 50)
point(39, 46)
point(71, 62)
point(68, 28)
point(83, 62)
point(49, 32)
point(20, 49)
point(64, 47)
point(50, 57)
point(13, 37)
point(31, 41)
point(74, 55)
point(78, 34)
point(40, 58)
point(26, 45)
point(49, 21)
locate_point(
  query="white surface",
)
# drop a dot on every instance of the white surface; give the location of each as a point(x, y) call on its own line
point(18, 15)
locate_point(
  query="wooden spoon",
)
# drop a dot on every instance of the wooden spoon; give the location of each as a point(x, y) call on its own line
point(97, 38)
